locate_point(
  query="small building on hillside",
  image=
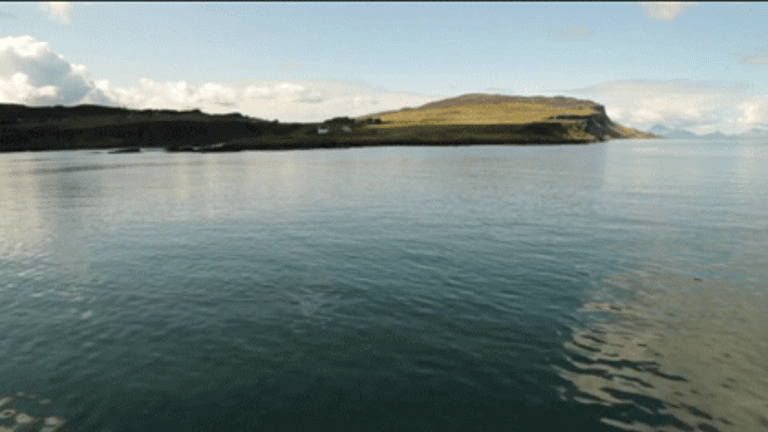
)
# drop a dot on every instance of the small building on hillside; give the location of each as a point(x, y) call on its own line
point(322, 130)
point(346, 128)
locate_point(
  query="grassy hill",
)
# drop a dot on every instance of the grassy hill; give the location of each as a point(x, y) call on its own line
point(487, 109)
point(581, 119)
point(97, 127)
point(464, 120)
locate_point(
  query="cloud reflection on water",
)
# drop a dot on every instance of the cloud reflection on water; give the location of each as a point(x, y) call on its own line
point(671, 353)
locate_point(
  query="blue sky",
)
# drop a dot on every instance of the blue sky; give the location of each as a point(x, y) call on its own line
point(699, 66)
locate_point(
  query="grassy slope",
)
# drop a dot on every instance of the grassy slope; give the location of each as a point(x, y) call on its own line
point(468, 119)
point(479, 109)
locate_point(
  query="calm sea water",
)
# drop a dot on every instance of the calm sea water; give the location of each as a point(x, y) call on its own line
point(613, 286)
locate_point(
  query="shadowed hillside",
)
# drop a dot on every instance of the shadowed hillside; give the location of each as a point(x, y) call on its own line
point(95, 127)
point(465, 120)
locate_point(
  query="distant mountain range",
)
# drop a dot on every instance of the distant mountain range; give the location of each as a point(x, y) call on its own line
point(665, 132)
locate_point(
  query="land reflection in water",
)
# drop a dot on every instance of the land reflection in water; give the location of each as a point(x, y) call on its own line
point(672, 353)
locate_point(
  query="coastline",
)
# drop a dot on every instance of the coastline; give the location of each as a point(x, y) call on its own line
point(213, 137)
point(229, 147)
point(91, 127)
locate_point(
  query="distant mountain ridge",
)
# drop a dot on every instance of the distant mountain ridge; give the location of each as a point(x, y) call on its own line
point(665, 132)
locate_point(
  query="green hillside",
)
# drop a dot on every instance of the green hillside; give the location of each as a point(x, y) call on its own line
point(583, 119)
point(464, 120)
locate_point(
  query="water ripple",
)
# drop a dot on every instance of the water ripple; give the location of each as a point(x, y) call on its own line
point(686, 370)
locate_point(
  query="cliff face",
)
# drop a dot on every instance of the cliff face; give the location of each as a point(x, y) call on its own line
point(601, 126)
point(595, 124)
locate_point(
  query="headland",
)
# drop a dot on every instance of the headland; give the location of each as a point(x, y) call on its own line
point(464, 120)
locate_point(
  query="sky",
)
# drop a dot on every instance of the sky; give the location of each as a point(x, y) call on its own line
point(698, 66)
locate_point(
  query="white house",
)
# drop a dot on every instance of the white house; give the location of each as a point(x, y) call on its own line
point(322, 130)
point(346, 128)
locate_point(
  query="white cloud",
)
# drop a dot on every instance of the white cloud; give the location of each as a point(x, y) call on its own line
point(665, 11)
point(18, 87)
point(698, 106)
point(287, 101)
point(756, 59)
point(754, 111)
point(57, 10)
point(31, 73)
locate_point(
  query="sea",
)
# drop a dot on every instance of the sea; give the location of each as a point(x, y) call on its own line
point(605, 287)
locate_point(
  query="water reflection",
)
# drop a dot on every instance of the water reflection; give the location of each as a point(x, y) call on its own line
point(752, 158)
point(69, 200)
point(22, 412)
point(669, 353)
point(689, 167)
point(205, 250)
point(20, 218)
point(313, 299)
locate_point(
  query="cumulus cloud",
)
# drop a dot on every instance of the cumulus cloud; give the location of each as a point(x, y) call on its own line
point(754, 111)
point(287, 101)
point(57, 10)
point(665, 11)
point(699, 106)
point(32, 73)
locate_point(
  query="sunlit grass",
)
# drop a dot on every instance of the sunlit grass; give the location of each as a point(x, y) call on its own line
point(468, 119)
point(502, 113)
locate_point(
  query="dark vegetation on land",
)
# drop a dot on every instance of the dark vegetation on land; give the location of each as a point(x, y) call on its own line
point(465, 120)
